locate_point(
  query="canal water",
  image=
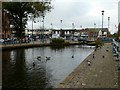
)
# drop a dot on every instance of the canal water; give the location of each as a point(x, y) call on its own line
point(19, 71)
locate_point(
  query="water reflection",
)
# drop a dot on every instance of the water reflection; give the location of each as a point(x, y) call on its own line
point(18, 70)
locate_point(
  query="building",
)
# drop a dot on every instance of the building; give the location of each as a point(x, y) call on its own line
point(6, 33)
point(119, 19)
point(0, 21)
point(92, 34)
point(119, 12)
point(67, 34)
point(37, 32)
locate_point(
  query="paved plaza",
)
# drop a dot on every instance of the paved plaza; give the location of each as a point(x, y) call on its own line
point(102, 73)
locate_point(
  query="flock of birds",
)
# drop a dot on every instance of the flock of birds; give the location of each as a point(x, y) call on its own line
point(89, 62)
point(46, 58)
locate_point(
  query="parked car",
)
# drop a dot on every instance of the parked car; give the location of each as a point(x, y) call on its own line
point(1, 41)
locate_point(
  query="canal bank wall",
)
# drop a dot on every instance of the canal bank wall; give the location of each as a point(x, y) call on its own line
point(101, 73)
point(31, 45)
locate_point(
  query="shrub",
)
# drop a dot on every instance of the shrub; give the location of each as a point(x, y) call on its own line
point(57, 41)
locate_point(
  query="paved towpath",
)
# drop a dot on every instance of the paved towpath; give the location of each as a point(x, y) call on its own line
point(102, 73)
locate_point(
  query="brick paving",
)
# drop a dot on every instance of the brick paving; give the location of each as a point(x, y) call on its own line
point(102, 73)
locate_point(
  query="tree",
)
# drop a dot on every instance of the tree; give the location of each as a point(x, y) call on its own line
point(20, 12)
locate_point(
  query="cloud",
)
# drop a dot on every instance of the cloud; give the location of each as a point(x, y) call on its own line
point(82, 12)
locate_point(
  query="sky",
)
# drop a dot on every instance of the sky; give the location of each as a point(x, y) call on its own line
point(80, 12)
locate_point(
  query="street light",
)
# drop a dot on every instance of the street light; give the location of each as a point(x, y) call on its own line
point(32, 28)
point(102, 20)
point(61, 28)
point(51, 26)
point(94, 29)
point(81, 27)
point(61, 23)
point(94, 25)
point(43, 27)
point(73, 27)
point(108, 22)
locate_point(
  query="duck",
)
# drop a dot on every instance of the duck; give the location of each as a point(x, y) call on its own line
point(103, 56)
point(72, 56)
point(107, 50)
point(39, 58)
point(33, 64)
point(47, 58)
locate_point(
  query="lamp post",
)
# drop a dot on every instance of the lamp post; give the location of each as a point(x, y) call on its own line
point(108, 23)
point(43, 28)
point(102, 20)
point(61, 28)
point(73, 27)
point(81, 27)
point(51, 26)
point(32, 28)
point(94, 25)
point(61, 23)
point(94, 29)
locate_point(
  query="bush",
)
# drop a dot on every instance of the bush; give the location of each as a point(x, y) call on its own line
point(57, 41)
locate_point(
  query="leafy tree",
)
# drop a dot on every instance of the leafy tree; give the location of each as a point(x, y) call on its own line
point(20, 12)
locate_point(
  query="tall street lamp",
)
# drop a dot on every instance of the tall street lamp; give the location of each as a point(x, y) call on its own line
point(108, 23)
point(43, 28)
point(61, 23)
point(73, 27)
point(94, 34)
point(94, 25)
point(61, 28)
point(81, 27)
point(102, 20)
point(51, 26)
point(32, 28)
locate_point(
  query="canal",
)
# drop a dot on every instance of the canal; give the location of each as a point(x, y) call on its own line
point(19, 71)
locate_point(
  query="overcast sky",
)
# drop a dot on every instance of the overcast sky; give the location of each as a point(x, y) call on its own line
point(82, 13)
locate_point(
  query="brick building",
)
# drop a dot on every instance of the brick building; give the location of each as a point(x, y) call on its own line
point(6, 33)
